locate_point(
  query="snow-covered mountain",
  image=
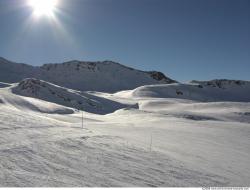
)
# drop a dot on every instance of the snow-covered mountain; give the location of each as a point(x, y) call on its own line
point(104, 76)
point(111, 77)
point(206, 91)
point(48, 92)
point(222, 83)
point(155, 135)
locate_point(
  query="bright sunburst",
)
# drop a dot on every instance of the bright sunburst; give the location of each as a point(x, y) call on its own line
point(43, 7)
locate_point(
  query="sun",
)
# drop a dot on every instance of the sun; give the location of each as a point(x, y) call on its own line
point(43, 7)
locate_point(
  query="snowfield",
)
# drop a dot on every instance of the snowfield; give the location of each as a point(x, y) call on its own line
point(176, 135)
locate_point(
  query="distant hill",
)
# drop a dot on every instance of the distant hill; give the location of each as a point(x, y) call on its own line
point(106, 76)
point(205, 91)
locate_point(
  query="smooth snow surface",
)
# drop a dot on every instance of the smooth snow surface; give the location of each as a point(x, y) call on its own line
point(163, 141)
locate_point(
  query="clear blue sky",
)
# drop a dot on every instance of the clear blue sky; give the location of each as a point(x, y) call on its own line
point(185, 39)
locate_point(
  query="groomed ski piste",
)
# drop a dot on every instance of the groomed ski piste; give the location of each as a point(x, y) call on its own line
point(163, 135)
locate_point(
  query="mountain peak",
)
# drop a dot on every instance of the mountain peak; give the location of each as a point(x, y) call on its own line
point(105, 76)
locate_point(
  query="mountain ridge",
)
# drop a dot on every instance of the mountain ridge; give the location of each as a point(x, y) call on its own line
point(106, 76)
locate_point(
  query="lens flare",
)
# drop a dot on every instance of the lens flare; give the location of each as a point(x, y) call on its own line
point(43, 7)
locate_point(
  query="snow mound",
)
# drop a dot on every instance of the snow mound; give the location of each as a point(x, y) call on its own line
point(27, 104)
point(106, 76)
point(35, 105)
point(211, 91)
point(66, 97)
point(198, 111)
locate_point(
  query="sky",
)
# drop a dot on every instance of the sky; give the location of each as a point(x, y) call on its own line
point(185, 39)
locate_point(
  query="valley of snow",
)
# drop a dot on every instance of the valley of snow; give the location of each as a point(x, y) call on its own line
point(182, 135)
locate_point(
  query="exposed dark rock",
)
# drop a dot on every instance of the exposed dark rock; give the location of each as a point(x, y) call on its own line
point(159, 76)
point(179, 92)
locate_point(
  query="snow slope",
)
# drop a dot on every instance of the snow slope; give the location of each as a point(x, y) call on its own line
point(174, 135)
point(104, 76)
point(3, 85)
point(11, 72)
point(48, 92)
point(219, 90)
point(146, 147)
point(27, 104)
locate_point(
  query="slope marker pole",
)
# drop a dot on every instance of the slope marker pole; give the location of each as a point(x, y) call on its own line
point(82, 119)
point(151, 142)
